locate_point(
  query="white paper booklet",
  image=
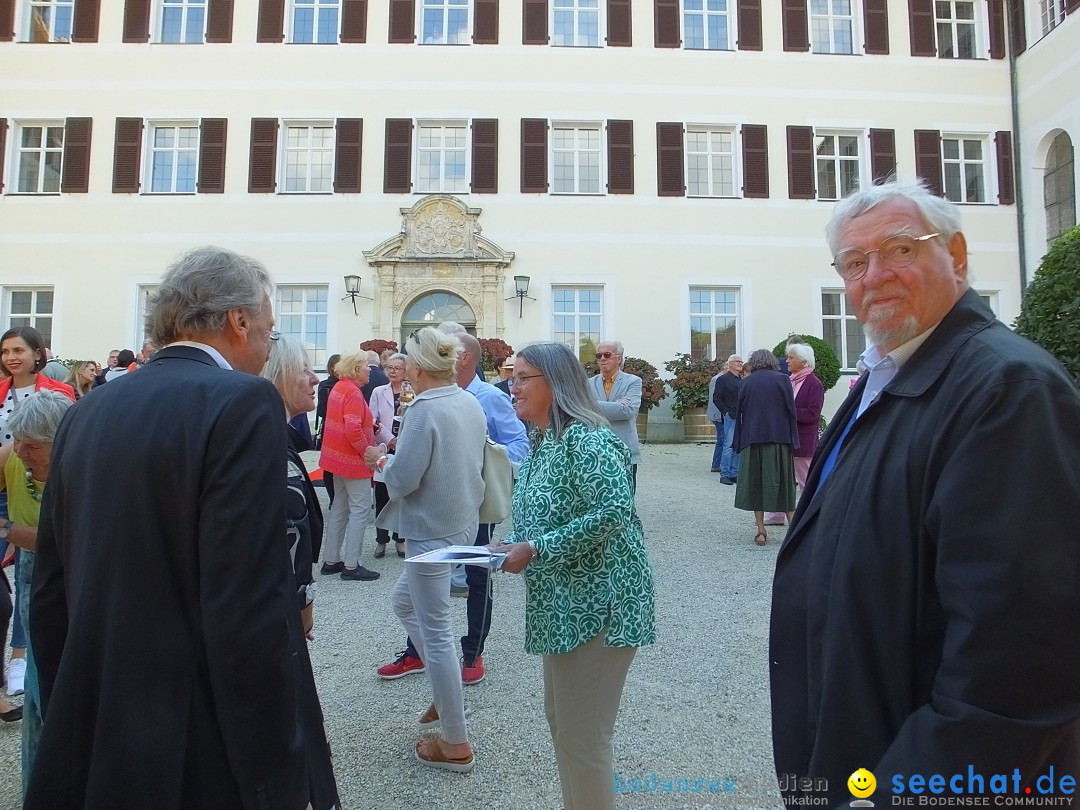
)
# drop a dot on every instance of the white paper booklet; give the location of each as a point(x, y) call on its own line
point(467, 555)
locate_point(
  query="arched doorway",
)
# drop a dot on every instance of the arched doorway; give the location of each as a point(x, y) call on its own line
point(432, 308)
point(1059, 188)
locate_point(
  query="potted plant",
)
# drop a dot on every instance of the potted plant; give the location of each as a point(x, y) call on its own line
point(690, 386)
point(1048, 313)
point(493, 349)
point(652, 387)
point(826, 363)
point(378, 345)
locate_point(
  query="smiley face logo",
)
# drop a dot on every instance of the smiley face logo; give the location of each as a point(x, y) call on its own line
point(862, 783)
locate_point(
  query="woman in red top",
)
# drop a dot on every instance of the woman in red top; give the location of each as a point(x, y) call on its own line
point(347, 433)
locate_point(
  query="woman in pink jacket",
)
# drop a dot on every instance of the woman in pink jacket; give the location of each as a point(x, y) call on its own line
point(347, 433)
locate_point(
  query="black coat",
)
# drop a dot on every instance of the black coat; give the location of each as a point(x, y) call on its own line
point(925, 608)
point(726, 394)
point(165, 627)
point(322, 396)
point(375, 379)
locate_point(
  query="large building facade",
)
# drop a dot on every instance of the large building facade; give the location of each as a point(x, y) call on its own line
point(659, 172)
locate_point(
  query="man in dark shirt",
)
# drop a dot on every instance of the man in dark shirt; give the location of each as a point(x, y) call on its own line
point(724, 398)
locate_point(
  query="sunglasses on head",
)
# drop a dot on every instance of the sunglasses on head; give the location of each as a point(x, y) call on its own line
point(604, 355)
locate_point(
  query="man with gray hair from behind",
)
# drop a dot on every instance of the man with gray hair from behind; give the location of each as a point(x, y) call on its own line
point(186, 623)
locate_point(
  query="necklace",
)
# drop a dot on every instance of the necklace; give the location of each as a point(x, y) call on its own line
point(32, 487)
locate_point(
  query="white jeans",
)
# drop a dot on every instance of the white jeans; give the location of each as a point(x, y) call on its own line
point(350, 515)
point(421, 599)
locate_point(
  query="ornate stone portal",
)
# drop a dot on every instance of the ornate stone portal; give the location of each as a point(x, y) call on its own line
point(439, 249)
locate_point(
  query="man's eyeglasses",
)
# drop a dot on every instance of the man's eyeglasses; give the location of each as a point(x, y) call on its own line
point(519, 380)
point(604, 355)
point(896, 251)
point(273, 335)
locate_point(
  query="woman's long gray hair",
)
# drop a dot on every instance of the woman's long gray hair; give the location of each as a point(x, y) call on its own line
point(571, 400)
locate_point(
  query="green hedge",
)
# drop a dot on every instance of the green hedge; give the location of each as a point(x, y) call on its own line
point(1050, 312)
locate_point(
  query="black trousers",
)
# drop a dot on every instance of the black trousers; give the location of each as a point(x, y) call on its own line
point(382, 498)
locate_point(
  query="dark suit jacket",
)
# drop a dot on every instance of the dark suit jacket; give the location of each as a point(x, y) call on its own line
point(504, 386)
point(165, 623)
point(375, 379)
point(925, 606)
point(726, 394)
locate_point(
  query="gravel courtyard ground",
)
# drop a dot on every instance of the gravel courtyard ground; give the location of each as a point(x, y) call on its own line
point(695, 707)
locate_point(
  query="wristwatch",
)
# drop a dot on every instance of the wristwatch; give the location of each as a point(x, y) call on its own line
point(6, 529)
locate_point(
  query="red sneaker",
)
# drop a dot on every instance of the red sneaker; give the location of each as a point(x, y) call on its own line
point(473, 674)
point(404, 665)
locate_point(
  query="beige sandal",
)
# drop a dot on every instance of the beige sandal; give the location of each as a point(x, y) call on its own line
point(437, 757)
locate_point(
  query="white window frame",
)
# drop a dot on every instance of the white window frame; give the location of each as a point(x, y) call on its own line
point(706, 14)
point(142, 310)
point(713, 315)
point(442, 185)
point(34, 316)
point(577, 9)
point(444, 6)
point(987, 163)
point(831, 18)
point(320, 7)
point(992, 298)
point(576, 127)
point(1051, 15)
point(18, 152)
point(713, 158)
point(308, 151)
point(26, 30)
point(847, 320)
point(185, 7)
point(838, 161)
point(977, 23)
point(151, 151)
point(577, 313)
point(317, 355)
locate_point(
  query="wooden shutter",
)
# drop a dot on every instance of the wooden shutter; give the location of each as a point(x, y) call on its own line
point(485, 22)
point(1017, 27)
point(485, 156)
point(127, 153)
point(136, 21)
point(262, 165)
point(402, 21)
point(1006, 190)
point(749, 25)
point(755, 142)
point(921, 26)
point(76, 172)
point(620, 149)
point(876, 26)
point(882, 155)
point(7, 20)
point(354, 21)
point(219, 20)
point(534, 22)
point(618, 23)
point(1074, 5)
point(670, 177)
point(84, 24)
point(800, 143)
point(534, 156)
point(928, 159)
point(666, 24)
point(995, 12)
point(397, 166)
point(348, 142)
point(796, 35)
point(212, 132)
point(3, 144)
point(271, 25)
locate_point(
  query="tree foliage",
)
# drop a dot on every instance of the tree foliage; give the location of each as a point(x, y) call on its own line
point(826, 363)
point(1050, 312)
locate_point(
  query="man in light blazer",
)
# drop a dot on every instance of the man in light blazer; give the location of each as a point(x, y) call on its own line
point(619, 397)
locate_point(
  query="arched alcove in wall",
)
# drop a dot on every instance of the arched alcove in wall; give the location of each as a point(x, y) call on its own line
point(432, 308)
point(1059, 187)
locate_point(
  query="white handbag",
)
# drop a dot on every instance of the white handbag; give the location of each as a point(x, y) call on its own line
point(498, 475)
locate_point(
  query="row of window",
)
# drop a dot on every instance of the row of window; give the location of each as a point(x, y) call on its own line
point(461, 156)
point(960, 29)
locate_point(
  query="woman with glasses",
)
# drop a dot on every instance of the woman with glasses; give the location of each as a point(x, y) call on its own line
point(385, 404)
point(588, 581)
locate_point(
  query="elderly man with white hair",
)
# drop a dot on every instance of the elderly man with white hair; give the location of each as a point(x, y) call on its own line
point(618, 395)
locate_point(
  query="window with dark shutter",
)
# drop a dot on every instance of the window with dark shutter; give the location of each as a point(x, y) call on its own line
point(1006, 190)
point(127, 153)
point(402, 21)
point(485, 22)
point(921, 25)
point(7, 20)
point(1017, 27)
point(3, 143)
point(800, 143)
point(348, 142)
point(620, 140)
point(876, 26)
point(534, 22)
point(271, 25)
point(219, 18)
point(354, 21)
point(755, 144)
point(796, 36)
point(534, 158)
point(882, 155)
point(749, 25)
point(996, 14)
point(136, 21)
point(84, 24)
point(618, 23)
point(76, 172)
point(212, 132)
point(485, 156)
point(397, 166)
point(928, 158)
point(666, 24)
point(670, 174)
point(1074, 5)
point(262, 165)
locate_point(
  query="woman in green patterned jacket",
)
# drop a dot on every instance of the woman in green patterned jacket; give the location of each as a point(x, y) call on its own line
point(589, 585)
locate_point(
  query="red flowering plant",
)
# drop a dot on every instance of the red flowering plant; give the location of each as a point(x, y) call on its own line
point(492, 350)
point(379, 345)
point(652, 387)
point(690, 384)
